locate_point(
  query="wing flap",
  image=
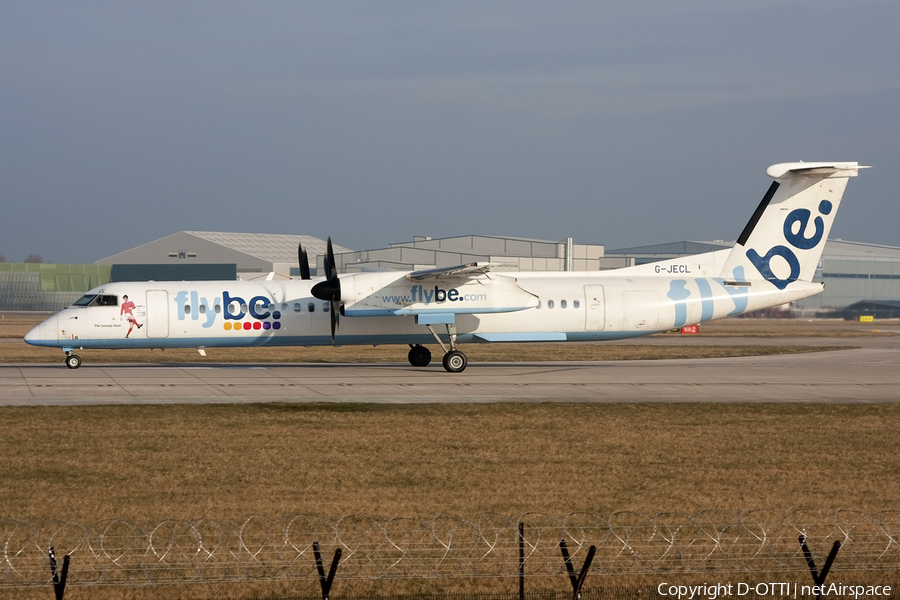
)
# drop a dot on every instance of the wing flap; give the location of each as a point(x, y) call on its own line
point(466, 270)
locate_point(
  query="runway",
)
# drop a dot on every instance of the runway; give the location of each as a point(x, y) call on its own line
point(867, 374)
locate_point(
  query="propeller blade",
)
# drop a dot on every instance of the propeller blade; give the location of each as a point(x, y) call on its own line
point(303, 261)
point(331, 265)
point(334, 318)
point(330, 289)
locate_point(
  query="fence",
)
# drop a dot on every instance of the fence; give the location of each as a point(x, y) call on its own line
point(20, 291)
point(487, 546)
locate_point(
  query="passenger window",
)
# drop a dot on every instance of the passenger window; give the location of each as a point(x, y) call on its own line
point(576, 304)
point(562, 303)
point(202, 309)
point(218, 308)
point(243, 308)
point(311, 307)
point(187, 309)
point(549, 303)
point(284, 307)
point(297, 307)
point(233, 308)
point(326, 307)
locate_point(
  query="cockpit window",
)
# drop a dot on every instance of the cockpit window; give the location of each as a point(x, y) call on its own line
point(85, 300)
point(97, 300)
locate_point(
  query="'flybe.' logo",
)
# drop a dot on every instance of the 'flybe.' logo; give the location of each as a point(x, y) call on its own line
point(423, 295)
point(233, 308)
point(797, 239)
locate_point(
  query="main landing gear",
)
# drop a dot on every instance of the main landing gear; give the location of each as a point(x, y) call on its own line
point(419, 355)
point(454, 360)
point(73, 361)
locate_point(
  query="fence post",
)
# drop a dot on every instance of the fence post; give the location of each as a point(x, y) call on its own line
point(326, 582)
point(59, 581)
point(819, 578)
point(577, 581)
point(521, 561)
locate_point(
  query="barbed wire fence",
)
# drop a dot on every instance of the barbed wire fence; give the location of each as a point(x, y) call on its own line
point(256, 547)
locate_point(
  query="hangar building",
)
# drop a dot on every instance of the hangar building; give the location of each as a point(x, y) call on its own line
point(254, 255)
point(520, 254)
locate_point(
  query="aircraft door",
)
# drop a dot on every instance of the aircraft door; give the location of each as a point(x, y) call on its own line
point(157, 314)
point(595, 312)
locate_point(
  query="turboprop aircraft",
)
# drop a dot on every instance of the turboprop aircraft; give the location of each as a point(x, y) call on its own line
point(772, 263)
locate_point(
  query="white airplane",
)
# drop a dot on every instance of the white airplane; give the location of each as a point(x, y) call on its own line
point(772, 263)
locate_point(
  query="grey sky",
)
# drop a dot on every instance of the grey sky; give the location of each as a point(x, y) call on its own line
point(613, 123)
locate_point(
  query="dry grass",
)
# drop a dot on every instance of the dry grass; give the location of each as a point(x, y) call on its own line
point(149, 463)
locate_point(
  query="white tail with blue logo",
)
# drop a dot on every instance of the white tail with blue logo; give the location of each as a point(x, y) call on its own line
point(784, 239)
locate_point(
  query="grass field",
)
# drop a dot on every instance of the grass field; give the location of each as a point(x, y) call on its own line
point(146, 463)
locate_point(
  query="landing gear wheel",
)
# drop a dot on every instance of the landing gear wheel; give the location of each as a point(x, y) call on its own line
point(73, 361)
point(455, 361)
point(419, 356)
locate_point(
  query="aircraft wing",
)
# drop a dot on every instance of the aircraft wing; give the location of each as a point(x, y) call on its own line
point(469, 269)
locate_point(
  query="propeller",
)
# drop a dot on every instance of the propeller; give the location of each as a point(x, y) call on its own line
point(330, 289)
point(303, 260)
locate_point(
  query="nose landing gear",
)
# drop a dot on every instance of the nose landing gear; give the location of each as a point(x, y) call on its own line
point(73, 361)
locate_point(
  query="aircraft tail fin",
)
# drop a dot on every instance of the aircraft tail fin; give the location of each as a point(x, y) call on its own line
point(784, 239)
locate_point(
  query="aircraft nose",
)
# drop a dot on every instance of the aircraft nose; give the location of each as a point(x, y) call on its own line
point(33, 337)
point(44, 334)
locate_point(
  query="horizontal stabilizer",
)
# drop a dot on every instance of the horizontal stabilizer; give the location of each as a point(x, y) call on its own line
point(807, 169)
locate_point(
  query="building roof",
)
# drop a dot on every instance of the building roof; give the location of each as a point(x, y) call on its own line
point(834, 248)
point(682, 248)
point(271, 247)
point(264, 247)
point(842, 248)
